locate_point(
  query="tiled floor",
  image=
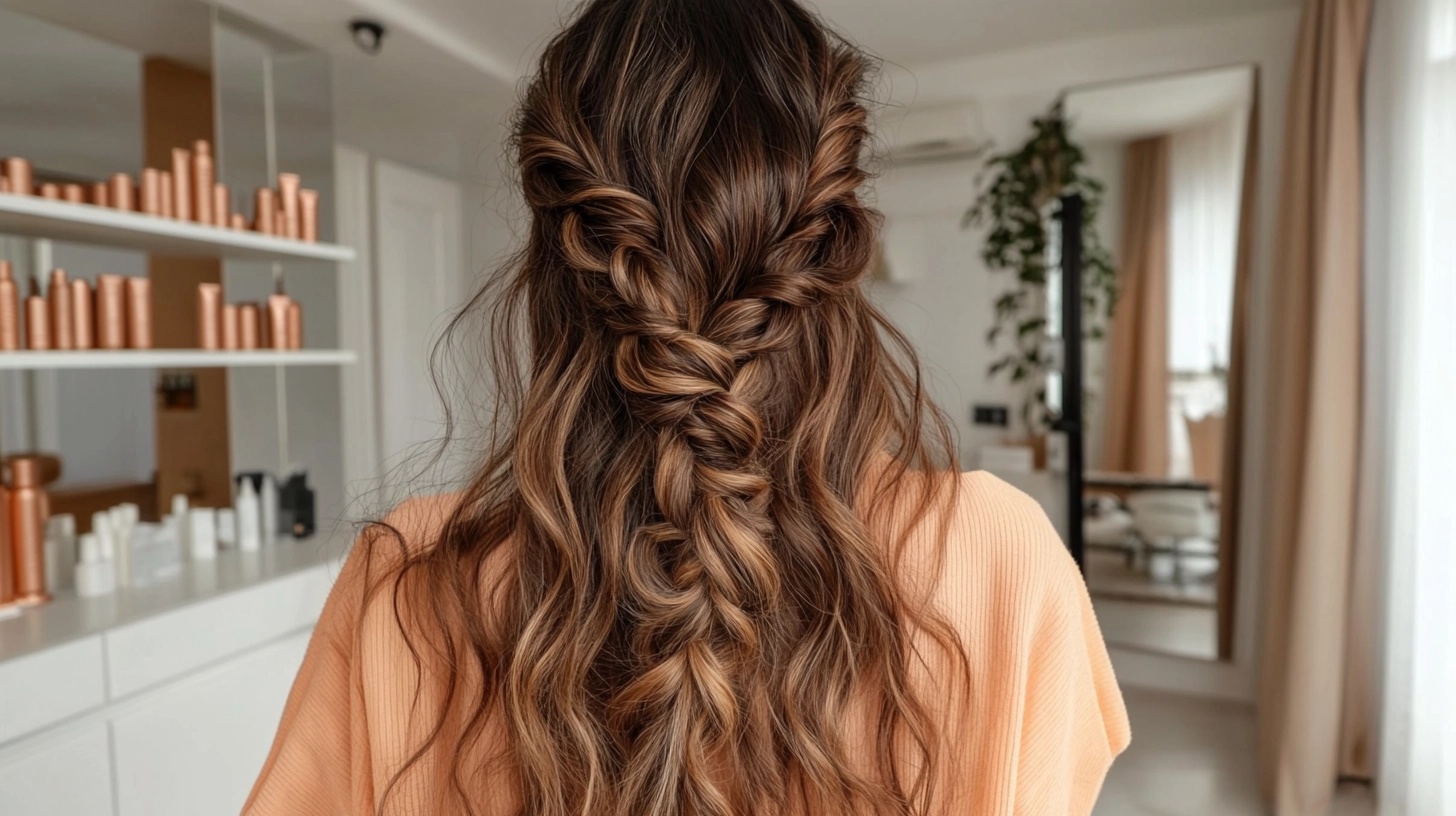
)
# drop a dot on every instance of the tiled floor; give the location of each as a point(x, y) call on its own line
point(1176, 629)
point(1193, 757)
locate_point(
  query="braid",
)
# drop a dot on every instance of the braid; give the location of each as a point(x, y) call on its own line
point(694, 614)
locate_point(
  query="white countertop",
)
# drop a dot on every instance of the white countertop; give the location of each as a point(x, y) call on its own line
point(70, 617)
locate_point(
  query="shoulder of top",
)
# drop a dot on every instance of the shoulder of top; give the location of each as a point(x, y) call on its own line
point(1000, 527)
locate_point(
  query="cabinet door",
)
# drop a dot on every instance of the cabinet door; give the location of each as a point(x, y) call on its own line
point(54, 774)
point(196, 747)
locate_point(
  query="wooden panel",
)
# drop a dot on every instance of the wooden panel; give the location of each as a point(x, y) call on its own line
point(68, 775)
point(83, 500)
point(192, 445)
point(198, 747)
point(160, 648)
point(46, 687)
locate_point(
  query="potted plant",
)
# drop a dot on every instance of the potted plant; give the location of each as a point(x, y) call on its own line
point(1016, 206)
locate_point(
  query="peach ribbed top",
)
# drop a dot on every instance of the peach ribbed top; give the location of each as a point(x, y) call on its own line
point(1036, 734)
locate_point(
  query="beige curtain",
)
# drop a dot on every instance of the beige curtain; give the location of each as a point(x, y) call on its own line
point(1314, 414)
point(1135, 417)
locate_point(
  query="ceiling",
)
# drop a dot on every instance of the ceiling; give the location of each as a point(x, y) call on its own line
point(1124, 111)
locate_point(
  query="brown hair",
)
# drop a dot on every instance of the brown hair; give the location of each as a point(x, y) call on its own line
point(690, 602)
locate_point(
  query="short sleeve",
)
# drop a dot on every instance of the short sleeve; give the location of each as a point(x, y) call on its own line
point(319, 762)
point(1074, 721)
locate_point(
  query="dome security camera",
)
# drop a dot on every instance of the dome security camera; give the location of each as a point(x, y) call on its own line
point(368, 35)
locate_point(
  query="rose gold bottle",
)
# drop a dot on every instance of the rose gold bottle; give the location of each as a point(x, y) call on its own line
point(83, 314)
point(169, 196)
point(249, 326)
point(264, 211)
point(138, 313)
point(9, 309)
point(278, 321)
point(110, 312)
point(182, 202)
point(7, 557)
point(74, 193)
point(308, 204)
point(220, 208)
point(4, 183)
point(238, 221)
point(120, 194)
point(22, 179)
point(37, 320)
point(151, 202)
point(288, 205)
point(295, 325)
point(209, 316)
point(63, 335)
point(51, 191)
point(29, 510)
point(230, 327)
point(202, 178)
point(101, 194)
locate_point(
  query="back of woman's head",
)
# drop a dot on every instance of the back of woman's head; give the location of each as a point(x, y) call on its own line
point(693, 604)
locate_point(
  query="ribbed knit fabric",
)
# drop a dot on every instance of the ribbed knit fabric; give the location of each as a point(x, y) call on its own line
point(1033, 733)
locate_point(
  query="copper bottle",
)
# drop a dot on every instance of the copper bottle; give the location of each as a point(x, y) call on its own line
point(230, 327)
point(265, 212)
point(110, 312)
point(288, 205)
point(29, 510)
point(278, 321)
point(74, 193)
point(37, 321)
point(151, 188)
point(308, 204)
point(202, 178)
point(63, 336)
point(51, 191)
point(250, 328)
point(238, 221)
point(120, 194)
point(83, 315)
point(9, 309)
point(209, 316)
point(101, 194)
point(182, 202)
point(4, 183)
point(295, 325)
point(22, 180)
point(7, 558)
point(138, 313)
point(220, 209)
point(169, 196)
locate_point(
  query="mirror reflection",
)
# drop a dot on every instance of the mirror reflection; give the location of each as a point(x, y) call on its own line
point(1170, 152)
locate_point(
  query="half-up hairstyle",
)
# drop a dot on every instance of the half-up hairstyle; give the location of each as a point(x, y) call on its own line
point(688, 602)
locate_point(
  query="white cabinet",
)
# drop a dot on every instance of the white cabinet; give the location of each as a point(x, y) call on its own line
point(196, 749)
point(66, 774)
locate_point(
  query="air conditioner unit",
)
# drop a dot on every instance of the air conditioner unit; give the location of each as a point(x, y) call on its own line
point(943, 133)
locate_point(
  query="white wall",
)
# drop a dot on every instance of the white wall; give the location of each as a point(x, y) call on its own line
point(945, 307)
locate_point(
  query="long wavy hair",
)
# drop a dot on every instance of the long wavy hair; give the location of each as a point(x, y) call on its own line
point(687, 600)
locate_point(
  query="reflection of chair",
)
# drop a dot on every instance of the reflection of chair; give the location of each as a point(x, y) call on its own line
point(1106, 525)
point(1175, 522)
point(1205, 446)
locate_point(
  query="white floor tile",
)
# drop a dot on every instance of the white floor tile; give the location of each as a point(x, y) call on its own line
point(1192, 757)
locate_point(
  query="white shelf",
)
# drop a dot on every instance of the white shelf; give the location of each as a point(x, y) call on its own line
point(82, 223)
point(171, 358)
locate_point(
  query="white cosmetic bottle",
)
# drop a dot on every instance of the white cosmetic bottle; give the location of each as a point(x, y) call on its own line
point(95, 574)
point(249, 518)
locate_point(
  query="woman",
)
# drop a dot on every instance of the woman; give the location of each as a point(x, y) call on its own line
point(717, 560)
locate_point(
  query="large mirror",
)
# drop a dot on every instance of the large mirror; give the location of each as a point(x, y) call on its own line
point(1172, 155)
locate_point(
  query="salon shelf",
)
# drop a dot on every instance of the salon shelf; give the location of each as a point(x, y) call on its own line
point(170, 358)
point(82, 223)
